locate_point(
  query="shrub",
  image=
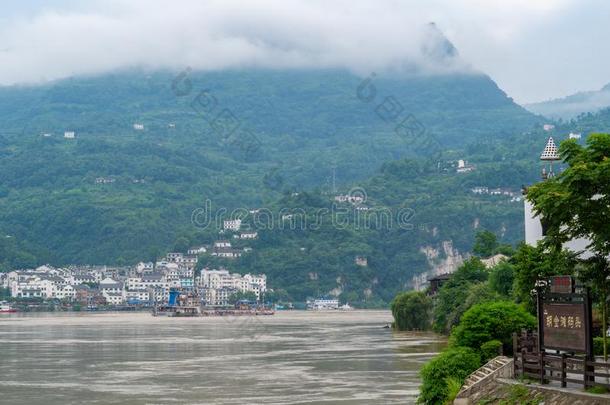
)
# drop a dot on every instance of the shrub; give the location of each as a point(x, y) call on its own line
point(476, 294)
point(520, 395)
point(454, 363)
point(489, 321)
point(598, 346)
point(597, 390)
point(491, 349)
point(485, 243)
point(501, 278)
point(455, 292)
point(411, 311)
point(453, 388)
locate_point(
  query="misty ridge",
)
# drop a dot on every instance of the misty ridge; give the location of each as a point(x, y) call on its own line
point(572, 106)
point(214, 36)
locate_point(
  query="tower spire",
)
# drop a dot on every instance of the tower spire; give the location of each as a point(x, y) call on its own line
point(549, 154)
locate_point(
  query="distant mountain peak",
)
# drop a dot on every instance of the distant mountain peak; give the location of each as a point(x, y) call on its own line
point(437, 47)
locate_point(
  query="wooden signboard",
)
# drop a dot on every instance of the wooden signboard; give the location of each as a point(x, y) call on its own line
point(564, 326)
point(562, 284)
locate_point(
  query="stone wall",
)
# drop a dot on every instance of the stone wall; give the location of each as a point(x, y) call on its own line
point(508, 391)
point(493, 383)
point(500, 367)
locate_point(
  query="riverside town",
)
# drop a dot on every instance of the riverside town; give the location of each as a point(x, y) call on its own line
point(294, 202)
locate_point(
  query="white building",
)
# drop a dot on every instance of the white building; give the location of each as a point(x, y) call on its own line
point(219, 279)
point(66, 293)
point(534, 231)
point(548, 127)
point(480, 190)
point(138, 126)
point(361, 261)
point(111, 286)
point(222, 244)
point(69, 135)
point(197, 250)
point(173, 257)
point(227, 253)
point(137, 295)
point(353, 199)
point(113, 298)
point(464, 167)
point(144, 267)
point(232, 224)
point(217, 297)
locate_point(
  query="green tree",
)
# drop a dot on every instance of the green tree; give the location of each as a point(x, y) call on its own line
point(456, 363)
point(238, 296)
point(490, 349)
point(181, 244)
point(411, 311)
point(576, 204)
point(278, 295)
point(533, 263)
point(501, 278)
point(477, 293)
point(489, 321)
point(455, 291)
point(485, 243)
point(595, 272)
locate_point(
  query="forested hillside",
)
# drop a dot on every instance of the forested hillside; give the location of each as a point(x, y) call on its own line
point(117, 194)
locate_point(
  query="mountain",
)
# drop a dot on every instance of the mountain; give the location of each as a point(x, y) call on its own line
point(117, 168)
point(572, 106)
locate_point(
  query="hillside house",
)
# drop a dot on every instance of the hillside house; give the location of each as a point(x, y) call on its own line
point(353, 199)
point(226, 252)
point(232, 225)
point(361, 261)
point(197, 250)
point(464, 167)
point(222, 244)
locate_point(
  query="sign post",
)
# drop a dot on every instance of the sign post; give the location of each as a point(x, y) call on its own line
point(565, 320)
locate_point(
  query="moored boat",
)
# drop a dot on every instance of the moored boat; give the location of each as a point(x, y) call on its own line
point(5, 307)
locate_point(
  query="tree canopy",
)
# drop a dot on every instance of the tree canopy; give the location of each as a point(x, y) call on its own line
point(485, 243)
point(411, 311)
point(576, 203)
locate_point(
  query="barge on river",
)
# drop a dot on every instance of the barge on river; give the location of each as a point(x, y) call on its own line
point(187, 304)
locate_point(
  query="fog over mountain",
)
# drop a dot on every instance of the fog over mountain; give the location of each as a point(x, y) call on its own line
point(214, 35)
point(571, 106)
point(528, 48)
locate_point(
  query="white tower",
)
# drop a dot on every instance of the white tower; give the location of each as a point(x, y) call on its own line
point(533, 227)
point(549, 154)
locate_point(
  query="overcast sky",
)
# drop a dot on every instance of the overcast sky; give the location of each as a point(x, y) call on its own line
point(534, 49)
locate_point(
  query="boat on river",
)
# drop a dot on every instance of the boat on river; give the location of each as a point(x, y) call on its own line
point(187, 304)
point(5, 307)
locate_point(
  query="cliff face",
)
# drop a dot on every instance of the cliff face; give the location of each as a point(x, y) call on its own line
point(441, 259)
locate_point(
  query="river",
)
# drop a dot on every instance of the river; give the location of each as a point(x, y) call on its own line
point(293, 357)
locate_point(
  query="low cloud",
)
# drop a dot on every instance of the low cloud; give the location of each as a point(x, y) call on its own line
point(68, 38)
point(216, 35)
